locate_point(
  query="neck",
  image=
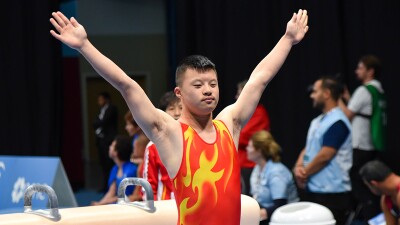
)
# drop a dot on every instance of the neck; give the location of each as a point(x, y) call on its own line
point(119, 163)
point(197, 122)
point(331, 104)
point(368, 79)
point(261, 163)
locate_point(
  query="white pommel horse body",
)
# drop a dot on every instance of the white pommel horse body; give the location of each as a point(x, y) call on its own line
point(139, 213)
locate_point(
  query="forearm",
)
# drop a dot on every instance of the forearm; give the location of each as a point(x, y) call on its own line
point(259, 79)
point(105, 67)
point(299, 161)
point(318, 163)
point(346, 110)
point(108, 198)
point(271, 64)
point(389, 218)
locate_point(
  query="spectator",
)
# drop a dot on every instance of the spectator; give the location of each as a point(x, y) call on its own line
point(383, 182)
point(272, 183)
point(105, 126)
point(119, 151)
point(362, 107)
point(322, 168)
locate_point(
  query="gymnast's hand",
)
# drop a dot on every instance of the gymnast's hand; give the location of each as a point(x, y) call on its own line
point(70, 32)
point(297, 26)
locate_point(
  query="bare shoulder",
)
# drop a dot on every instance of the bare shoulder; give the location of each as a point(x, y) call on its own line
point(228, 117)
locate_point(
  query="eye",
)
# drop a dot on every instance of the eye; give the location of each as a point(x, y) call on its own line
point(197, 85)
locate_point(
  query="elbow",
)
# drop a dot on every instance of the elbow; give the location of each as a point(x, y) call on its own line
point(123, 87)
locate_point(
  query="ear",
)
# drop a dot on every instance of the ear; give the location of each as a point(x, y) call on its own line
point(374, 183)
point(326, 93)
point(371, 72)
point(177, 91)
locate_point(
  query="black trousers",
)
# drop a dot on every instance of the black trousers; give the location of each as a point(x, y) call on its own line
point(340, 204)
point(363, 197)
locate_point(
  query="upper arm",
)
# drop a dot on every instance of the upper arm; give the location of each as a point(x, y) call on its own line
point(278, 187)
point(326, 153)
point(238, 114)
point(112, 190)
point(336, 135)
point(258, 121)
point(158, 126)
point(360, 99)
point(248, 100)
point(266, 69)
point(150, 119)
point(390, 219)
point(346, 110)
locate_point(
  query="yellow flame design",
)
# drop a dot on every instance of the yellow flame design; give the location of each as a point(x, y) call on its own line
point(188, 135)
point(204, 174)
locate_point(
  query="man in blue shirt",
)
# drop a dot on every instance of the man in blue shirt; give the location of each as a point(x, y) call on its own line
point(322, 168)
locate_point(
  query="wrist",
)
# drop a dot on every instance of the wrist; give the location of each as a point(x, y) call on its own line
point(85, 46)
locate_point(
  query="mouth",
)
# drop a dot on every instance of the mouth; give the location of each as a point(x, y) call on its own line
point(208, 100)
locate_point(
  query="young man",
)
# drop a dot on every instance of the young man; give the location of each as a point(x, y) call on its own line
point(359, 110)
point(198, 152)
point(383, 182)
point(323, 166)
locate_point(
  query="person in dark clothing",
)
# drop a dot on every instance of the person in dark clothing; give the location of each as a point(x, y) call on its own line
point(105, 126)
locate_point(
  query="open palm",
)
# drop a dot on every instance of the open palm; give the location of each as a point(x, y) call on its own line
point(297, 26)
point(70, 32)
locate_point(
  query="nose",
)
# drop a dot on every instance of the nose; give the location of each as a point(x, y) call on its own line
point(177, 112)
point(207, 90)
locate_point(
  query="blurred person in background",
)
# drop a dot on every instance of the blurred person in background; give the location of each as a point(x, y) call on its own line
point(271, 182)
point(120, 152)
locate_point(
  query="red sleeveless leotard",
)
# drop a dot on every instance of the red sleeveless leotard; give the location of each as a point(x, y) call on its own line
point(207, 185)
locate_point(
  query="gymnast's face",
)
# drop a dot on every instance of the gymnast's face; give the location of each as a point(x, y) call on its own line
point(199, 91)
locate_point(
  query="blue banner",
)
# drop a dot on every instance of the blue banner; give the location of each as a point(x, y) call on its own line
point(18, 172)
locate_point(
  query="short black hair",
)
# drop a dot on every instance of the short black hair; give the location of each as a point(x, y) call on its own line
point(333, 85)
point(374, 170)
point(197, 62)
point(372, 62)
point(105, 95)
point(167, 99)
point(123, 147)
